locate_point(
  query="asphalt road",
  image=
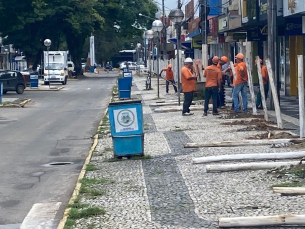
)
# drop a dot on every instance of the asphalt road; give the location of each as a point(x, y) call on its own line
point(54, 127)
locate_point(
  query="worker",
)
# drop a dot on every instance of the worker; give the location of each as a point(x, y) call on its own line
point(266, 85)
point(241, 83)
point(188, 81)
point(213, 77)
point(224, 68)
point(169, 77)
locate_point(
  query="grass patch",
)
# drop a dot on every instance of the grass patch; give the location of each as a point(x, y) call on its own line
point(69, 223)
point(115, 159)
point(91, 167)
point(91, 191)
point(297, 173)
point(159, 171)
point(108, 149)
point(6, 103)
point(85, 213)
point(78, 205)
point(87, 181)
point(287, 184)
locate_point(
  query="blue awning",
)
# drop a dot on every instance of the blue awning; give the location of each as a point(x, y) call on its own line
point(184, 44)
point(195, 33)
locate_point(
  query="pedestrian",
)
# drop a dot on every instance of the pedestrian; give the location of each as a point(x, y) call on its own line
point(266, 85)
point(169, 77)
point(213, 77)
point(240, 84)
point(224, 68)
point(188, 81)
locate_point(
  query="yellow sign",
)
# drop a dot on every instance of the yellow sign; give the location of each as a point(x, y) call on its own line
point(291, 6)
point(196, 42)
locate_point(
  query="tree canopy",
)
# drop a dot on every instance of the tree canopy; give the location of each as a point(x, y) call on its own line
point(68, 23)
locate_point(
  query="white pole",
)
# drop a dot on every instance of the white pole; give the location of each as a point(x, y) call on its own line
point(301, 95)
point(250, 83)
point(261, 87)
point(49, 67)
point(275, 96)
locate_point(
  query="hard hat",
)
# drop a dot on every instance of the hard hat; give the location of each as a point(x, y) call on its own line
point(188, 60)
point(169, 66)
point(239, 56)
point(260, 60)
point(215, 60)
point(224, 58)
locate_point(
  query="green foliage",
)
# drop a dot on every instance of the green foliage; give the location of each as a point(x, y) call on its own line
point(69, 23)
point(91, 167)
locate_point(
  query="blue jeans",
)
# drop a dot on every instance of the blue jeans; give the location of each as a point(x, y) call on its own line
point(173, 83)
point(242, 87)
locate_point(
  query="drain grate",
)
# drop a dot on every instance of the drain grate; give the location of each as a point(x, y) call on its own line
point(61, 163)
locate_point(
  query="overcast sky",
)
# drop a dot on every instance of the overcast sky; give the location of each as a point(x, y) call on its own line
point(171, 4)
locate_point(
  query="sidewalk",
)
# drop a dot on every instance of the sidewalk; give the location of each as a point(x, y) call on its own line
point(168, 191)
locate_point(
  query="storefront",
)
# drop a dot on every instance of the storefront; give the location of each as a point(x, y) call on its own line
point(295, 42)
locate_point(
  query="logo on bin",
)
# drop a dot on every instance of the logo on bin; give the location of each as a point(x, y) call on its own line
point(126, 118)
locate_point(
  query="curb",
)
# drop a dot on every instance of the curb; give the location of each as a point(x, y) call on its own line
point(20, 105)
point(58, 89)
point(81, 176)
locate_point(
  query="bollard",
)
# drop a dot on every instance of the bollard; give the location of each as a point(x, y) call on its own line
point(1, 92)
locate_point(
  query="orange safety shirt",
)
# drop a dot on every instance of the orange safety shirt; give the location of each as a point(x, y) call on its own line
point(265, 74)
point(188, 85)
point(169, 73)
point(213, 76)
point(239, 67)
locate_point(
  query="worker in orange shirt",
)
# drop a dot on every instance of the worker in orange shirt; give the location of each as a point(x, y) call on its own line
point(169, 77)
point(241, 83)
point(266, 85)
point(188, 81)
point(224, 68)
point(213, 77)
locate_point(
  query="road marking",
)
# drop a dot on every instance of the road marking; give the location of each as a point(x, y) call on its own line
point(41, 216)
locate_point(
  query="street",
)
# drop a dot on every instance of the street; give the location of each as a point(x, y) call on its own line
point(54, 127)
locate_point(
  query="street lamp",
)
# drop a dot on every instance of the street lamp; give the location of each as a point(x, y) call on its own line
point(47, 43)
point(176, 16)
point(149, 34)
point(157, 26)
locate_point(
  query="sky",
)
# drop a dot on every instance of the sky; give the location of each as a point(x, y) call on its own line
point(169, 4)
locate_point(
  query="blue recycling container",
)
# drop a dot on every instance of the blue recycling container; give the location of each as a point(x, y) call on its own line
point(34, 79)
point(128, 75)
point(126, 124)
point(124, 88)
point(1, 92)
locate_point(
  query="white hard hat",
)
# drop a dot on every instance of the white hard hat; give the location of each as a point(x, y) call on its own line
point(188, 60)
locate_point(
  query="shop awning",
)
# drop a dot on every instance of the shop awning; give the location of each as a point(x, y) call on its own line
point(195, 33)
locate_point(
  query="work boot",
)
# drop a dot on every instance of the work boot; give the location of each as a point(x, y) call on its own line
point(205, 114)
point(215, 113)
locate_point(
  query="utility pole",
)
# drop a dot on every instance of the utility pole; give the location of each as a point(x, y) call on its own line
point(164, 33)
point(203, 10)
point(179, 52)
point(272, 44)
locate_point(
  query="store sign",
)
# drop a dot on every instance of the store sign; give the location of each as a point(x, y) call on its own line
point(293, 26)
point(196, 42)
point(292, 7)
point(263, 10)
point(256, 35)
point(126, 120)
point(239, 36)
point(249, 11)
point(223, 24)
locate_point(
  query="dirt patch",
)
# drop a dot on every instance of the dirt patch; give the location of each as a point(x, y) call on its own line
point(227, 114)
point(298, 146)
point(269, 135)
point(253, 125)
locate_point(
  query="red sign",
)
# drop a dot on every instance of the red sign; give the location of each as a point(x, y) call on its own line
point(213, 26)
point(194, 25)
point(189, 11)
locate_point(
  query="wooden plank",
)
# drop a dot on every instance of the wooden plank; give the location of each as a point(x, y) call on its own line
point(289, 190)
point(250, 83)
point(260, 156)
point(261, 87)
point(275, 96)
point(256, 221)
point(234, 77)
point(248, 166)
point(301, 95)
point(252, 142)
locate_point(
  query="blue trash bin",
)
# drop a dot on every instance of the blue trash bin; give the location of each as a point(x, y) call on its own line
point(34, 79)
point(126, 124)
point(1, 92)
point(124, 88)
point(128, 75)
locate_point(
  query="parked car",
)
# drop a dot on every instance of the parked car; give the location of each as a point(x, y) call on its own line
point(131, 65)
point(12, 81)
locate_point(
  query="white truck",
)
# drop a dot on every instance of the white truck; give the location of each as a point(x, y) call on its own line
point(56, 67)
